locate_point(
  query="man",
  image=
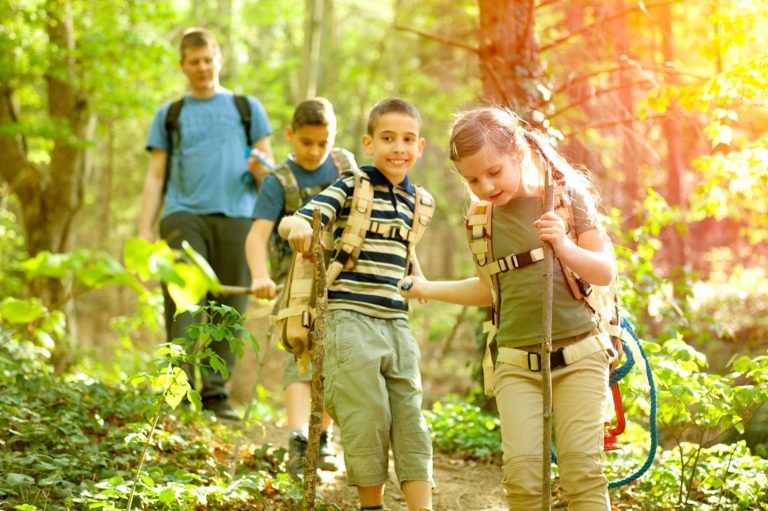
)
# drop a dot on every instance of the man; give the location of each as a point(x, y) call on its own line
point(207, 192)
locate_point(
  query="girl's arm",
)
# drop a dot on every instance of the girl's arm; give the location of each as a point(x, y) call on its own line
point(591, 257)
point(471, 291)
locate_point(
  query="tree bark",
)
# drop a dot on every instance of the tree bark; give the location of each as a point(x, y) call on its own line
point(310, 55)
point(508, 50)
point(675, 249)
point(630, 196)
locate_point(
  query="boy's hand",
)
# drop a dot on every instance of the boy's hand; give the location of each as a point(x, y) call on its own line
point(552, 229)
point(263, 287)
point(300, 237)
point(413, 287)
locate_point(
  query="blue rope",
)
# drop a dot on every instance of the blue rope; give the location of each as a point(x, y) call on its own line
point(616, 375)
point(651, 414)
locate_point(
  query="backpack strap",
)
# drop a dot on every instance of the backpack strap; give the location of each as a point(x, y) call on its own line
point(423, 210)
point(244, 109)
point(343, 159)
point(353, 236)
point(479, 224)
point(292, 198)
point(172, 129)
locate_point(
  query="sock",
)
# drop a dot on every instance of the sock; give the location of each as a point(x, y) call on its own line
point(380, 506)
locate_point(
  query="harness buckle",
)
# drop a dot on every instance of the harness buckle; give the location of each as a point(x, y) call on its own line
point(503, 265)
point(523, 259)
point(534, 361)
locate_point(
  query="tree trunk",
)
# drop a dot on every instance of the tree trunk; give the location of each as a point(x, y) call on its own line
point(310, 55)
point(51, 195)
point(510, 67)
point(630, 196)
point(675, 245)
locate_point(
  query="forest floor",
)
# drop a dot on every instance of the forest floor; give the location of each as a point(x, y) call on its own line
point(460, 485)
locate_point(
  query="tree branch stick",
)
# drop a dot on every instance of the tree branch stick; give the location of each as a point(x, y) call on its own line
point(546, 350)
point(317, 351)
point(605, 19)
point(441, 40)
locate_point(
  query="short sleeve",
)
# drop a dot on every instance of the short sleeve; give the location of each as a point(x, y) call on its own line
point(270, 201)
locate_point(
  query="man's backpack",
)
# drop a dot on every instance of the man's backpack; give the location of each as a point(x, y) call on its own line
point(294, 197)
point(601, 301)
point(173, 129)
point(296, 311)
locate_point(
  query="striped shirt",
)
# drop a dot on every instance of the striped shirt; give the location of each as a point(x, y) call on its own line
point(371, 286)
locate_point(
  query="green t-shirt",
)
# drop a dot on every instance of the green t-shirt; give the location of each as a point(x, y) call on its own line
point(522, 290)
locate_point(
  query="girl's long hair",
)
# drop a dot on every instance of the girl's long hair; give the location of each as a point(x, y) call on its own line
point(506, 132)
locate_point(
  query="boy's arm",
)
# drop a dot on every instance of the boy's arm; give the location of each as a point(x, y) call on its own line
point(262, 286)
point(297, 231)
point(152, 194)
point(471, 291)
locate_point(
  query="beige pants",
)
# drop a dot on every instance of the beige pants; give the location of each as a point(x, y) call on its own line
point(579, 397)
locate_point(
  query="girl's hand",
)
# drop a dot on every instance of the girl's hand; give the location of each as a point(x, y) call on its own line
point(413, 287)
point(300, 237)
point(552, 229)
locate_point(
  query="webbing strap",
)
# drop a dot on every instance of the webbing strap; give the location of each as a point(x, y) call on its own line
point(296, 310)
point(513, 262)
point(479, 223)
point(353, 236)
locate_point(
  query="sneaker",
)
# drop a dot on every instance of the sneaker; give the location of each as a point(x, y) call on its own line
point(327, 458)
point(221, 408)
point(297, 450)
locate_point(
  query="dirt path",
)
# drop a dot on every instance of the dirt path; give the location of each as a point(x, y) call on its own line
point(460, 485)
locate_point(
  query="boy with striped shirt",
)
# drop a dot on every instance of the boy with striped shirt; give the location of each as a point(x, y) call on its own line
point(372, 382)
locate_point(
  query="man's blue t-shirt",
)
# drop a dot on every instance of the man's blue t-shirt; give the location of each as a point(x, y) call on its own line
point(209, 157)
point(271, 200)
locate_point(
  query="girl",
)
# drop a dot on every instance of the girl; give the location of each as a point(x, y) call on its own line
point(504, 163)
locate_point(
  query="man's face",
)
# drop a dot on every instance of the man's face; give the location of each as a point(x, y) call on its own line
point(201, 66)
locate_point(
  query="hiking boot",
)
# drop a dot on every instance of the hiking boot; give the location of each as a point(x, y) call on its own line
point(327, 458)
point(221, 408)
point(297, 450)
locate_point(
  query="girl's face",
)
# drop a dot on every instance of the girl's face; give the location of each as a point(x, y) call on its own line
point(492, 176)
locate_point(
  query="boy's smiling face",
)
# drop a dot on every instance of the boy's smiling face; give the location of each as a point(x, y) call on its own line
point(395, 145)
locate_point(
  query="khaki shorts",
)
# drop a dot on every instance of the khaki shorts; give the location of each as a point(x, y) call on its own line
point(291, 371)
point(373, 392)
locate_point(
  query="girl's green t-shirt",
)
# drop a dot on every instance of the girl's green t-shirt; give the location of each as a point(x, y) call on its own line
point(522, 290)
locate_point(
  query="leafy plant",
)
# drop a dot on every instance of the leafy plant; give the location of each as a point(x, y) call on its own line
point(462, 427)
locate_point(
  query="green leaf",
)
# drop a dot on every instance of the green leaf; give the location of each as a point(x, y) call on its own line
point(193, 289)
point(16, 479)
point(14, 310)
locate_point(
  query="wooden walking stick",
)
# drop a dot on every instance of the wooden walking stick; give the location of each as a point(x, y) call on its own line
point(317, 351)
point(546, 350)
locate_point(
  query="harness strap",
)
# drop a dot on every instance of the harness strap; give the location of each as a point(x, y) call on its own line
point(514, 261)
point(352, 237)
point(566, 355)
point(479, 223)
